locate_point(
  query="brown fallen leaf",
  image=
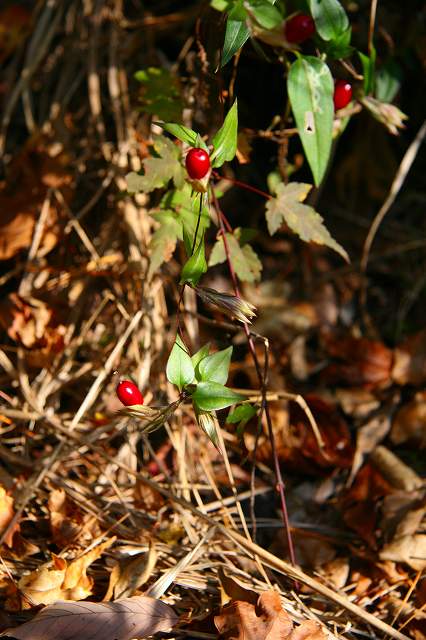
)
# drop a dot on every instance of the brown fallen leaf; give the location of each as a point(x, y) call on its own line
point(409, 423)
point(6, 514)
point(62, 581)
point(410, 360)
point(234, 589)
point(266, 620)
point(358, 362)
point(140, 616)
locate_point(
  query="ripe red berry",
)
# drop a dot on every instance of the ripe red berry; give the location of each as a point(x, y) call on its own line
point(128, 393)
point(299, 28)
point(197, 163)
point(342, 94)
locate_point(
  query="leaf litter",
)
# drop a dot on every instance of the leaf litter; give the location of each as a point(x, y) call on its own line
point(92, 508)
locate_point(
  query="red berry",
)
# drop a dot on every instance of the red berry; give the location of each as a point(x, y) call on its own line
point(128, 393)
point(299, 28)
point(197, 163)
point(342, 94)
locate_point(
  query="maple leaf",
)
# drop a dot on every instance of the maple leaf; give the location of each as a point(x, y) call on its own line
point(244, 260)
point(159, 169)
point(302, 219)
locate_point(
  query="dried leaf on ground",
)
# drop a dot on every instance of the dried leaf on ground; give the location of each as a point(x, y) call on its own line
point(6, 514)
point(140, 616)
point(358, 362)
point(410, 360)
point(408, 545)
point(367, 438)
point(396, 472)
point(135, 573)
point(63, 523)
point(266, 620)
point(409, 423)
point(234, 589)
point(62, 581)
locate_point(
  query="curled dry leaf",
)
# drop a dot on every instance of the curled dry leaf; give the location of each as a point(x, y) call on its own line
point(359, 362)
point(62, 581)
point(6, 514)
point(265, 620)
point(409, 423)
point(37, 168)
point(410, 360)
point(140, 617)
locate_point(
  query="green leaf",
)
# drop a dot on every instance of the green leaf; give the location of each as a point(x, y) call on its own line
point(179, 370)
point(163, 241)
point(236, 35)
point(209, 396)
point(388, 81)
point(215, 368)
point(339, 47)
point(265, 13)
point(310, 89)
point(179, 131)
point(197, 357)
point(158, 170)
point(225, 140)
point(368, 70)
point(241, 414)
point(330, 18)
point(195, 266)
point(300, 218)
point(246, 264)
point(160, 93)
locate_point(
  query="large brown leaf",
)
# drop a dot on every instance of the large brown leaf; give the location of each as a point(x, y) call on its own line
point(122, 620)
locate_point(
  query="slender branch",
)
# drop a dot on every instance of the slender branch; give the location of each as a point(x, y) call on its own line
point(264, 406)
point(373, 9)
point(243, 185)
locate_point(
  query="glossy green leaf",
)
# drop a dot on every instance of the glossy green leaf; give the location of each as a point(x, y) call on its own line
point(225, 140)
point(241, 414)
point(197, 357)
point(368, 70)
point(179, 131)
point(330, 18)
point(236, 35)
point(339, 47)
point(300, 218)
point(388, 81)
point(195, 266)
point(209, 396)
point(179, 370)
point(215, 368)
point(265, 13)
point(310, 89)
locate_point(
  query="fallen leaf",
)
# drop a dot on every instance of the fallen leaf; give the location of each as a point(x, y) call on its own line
point(396, 472)
point(367, 438)
point(409, 423)
point(6, 514)
point(135, 573)
point(63, 526)
point(140, 616)
point(358, 362)
point(266, 620)
point(234, 589)
point(62, 581)
point(308, 630)
point(410, 360)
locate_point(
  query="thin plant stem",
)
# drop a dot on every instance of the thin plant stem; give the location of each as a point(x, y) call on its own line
point(264, 406)
point(243, 185)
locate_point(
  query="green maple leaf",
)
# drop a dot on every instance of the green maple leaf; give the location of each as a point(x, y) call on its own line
point(246, 264)
point(302, 219)
point(159, 169)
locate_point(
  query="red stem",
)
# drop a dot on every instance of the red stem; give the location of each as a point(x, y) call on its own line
point(243, 185)
point(279, 481)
